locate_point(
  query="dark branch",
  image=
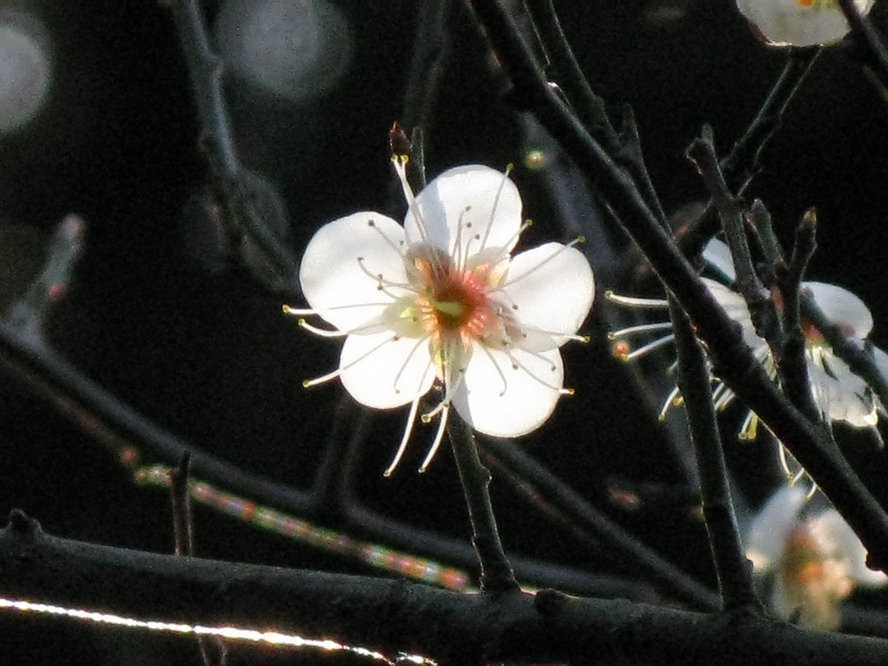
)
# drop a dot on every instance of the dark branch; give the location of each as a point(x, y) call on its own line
point(734, 571)
point(732, 360)
point(496, 572)
point(393, 616)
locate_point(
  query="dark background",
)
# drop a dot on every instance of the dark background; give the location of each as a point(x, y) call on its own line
point(207, 354)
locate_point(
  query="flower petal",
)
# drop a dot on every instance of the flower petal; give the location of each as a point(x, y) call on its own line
point(550, 290)
point(789, 22)
point(382, 370)
point(736, 308)
point(475, 204)
point(840, 394)
point(718, 254)
point(509, 393)
point(842, 308)
point(770, 529)
point(838, 540)
point(333, 279)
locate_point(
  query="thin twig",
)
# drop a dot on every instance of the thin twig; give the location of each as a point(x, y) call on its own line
point(212, 651)
point(590, 108)
point(496, 572)
point(761, 309)
point(742, 163)
point(183, 525)
point(733, 570)
point(792, 364)
point(613, 539)
point(239, 189)
point(863, 29)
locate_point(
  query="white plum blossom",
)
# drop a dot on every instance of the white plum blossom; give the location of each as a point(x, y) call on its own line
point(840, 394)
point(814, 556)
point(799, 22)
point(440, 300)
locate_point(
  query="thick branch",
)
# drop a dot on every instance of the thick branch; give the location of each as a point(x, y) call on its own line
point(393, 616)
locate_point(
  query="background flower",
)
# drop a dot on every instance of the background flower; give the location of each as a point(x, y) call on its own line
point(799, 22)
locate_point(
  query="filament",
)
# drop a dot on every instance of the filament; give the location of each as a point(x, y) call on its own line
point(336, 373)
point(641, 328)
point(634, 302)
point(439, 436)
point(495, 204)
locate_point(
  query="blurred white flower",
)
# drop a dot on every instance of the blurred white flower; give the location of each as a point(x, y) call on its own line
point(441, 299)
point(297, 49)
point(798, 22)
point(814, 556)
point(840, 394)
point(26, 65)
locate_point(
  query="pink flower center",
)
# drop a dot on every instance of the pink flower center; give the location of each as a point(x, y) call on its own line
point(454, 302)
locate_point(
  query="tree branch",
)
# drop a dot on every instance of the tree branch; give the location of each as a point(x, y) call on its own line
point(734, 571)
point(732, 360)
point(394, 616)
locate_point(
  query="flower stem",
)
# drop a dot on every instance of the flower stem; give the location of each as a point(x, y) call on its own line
point(733, 570)
point(496, 572)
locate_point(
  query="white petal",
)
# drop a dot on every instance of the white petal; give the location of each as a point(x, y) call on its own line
point(550, 289)
point(880, 358)
point(736, 308)
point(842, 395)
point(333, 280)
point(718, 254)
point(770, 529)
point(842, 308)
point(500, 400)
point(474, 203)
point(382, 372)
point(789, 22)
point(838, 540)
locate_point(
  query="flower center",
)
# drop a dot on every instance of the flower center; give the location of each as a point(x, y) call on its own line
point(453, 302)
point(817, 4)
point(459, 302)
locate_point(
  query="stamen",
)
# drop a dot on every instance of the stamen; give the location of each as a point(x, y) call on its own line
point(439, 435)
point(411, 418)
point(408, 429)
point(517, 365)
point(749, 428)
point(641, 351)
point(724, 397)
point(674, 399)
point(322, 332)
point(407, 360)
point(524, 329)
point(541, 264)
point(496, 199)
point(457, 251)
point(641, 328)
point(784, 463)
point(499, 371)
point(382, 283)
point(633, 302)
point(428, 416)
point(298, 311)
point(333, 375)
point(400, 164)
point(397, 248)
point(306, 312)
point(514, 239)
